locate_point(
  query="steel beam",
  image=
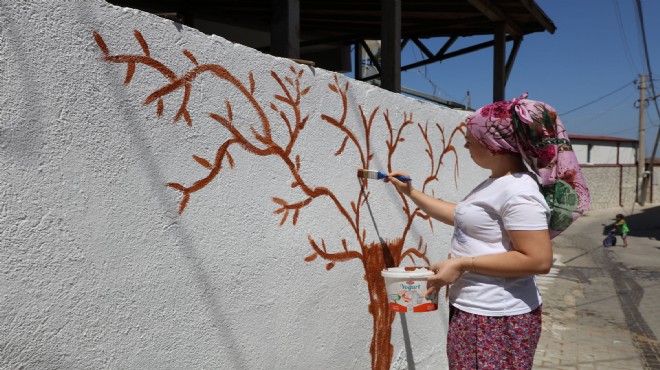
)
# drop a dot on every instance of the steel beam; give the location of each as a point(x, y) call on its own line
point(512, 58)
point(391, 45)
point(499, 67)
point(285, 28)
point(495, 14)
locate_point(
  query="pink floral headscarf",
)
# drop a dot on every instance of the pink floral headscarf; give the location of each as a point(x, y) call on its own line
point(533, 130)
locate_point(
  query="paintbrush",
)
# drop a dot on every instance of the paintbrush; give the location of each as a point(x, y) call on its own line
point(373, 174)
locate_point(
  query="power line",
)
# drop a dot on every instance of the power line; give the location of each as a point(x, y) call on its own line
point(587, 121)
point(620, 131)
point(624, 37)
point(648, 67)
point(425, 75)
point(650, 121)
point(646, 52)
point(601, 98)
point(625, 101)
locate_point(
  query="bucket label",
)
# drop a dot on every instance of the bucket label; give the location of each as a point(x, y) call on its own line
point(409, 296)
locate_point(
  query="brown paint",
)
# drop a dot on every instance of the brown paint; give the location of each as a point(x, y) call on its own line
point(375, 256)
point(413, 268)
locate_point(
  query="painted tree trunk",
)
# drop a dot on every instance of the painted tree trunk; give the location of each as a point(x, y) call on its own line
point(374, 262)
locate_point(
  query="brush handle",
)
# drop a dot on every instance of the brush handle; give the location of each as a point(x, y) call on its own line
point(403, 178)
point(400, 178)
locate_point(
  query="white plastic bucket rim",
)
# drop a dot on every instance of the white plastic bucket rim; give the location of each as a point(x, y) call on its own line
point(401, 273)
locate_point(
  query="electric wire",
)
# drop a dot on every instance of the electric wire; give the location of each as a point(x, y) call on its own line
point(598, 99)
point(586, 120)
point(624, 38)
point(620, 131)
point(649, 120)
point(425, 75)
point(650, 73)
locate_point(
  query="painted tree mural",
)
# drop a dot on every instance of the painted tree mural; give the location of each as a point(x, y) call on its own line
point(258, 140)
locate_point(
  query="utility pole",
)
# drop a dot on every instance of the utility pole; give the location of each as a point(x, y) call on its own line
point(650, 168)
point(641, 148)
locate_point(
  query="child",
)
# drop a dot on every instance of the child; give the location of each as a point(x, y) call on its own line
point(621, 228)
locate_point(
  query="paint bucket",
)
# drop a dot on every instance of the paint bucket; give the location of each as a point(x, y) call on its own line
point(406, 289)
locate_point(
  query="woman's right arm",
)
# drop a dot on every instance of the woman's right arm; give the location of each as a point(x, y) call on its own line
point(437, 208)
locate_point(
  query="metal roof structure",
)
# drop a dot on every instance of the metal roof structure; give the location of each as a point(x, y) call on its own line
point(601, 138)
point(323, 31)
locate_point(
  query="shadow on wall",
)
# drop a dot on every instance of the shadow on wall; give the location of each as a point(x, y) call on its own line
point(643, 224)
point(257, 139)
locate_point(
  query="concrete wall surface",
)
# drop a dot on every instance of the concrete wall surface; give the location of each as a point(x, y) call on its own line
point(610, 186)
point(604, 152)
point(173, 200)
point(653, 190)
point(616, 186)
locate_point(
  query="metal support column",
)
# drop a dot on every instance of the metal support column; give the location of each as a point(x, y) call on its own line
point(390, 32)
point(512, 58)
point(499, 62)
point(285, 28)
point(357, 56)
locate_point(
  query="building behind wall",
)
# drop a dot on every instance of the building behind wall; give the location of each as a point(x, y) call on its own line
point(609, 165)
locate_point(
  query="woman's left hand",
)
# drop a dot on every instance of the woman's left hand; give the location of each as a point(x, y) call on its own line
point(446, 272)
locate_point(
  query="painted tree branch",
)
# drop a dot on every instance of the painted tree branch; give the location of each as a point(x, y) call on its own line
point(340, 123)
point(434, 168)
point(332, 257)
point(393, 142)
point(257, 139)
point(366, 156)
point(146, 59)
point(267, 146)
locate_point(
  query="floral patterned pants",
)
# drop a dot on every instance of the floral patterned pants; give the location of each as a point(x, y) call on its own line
point(492, 342)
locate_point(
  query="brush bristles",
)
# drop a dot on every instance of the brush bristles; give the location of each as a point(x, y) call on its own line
point(367, 174)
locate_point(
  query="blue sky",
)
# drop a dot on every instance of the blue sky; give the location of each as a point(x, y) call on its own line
point(596, 50)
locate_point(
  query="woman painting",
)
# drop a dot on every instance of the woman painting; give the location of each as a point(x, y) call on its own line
point(502, 232)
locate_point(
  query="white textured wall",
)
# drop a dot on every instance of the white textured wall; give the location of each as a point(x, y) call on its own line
point(603, 152)
point(615, 186)
point(98, 268)
point(610, 186)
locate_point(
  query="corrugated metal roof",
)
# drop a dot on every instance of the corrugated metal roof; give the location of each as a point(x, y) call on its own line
point(347, 20)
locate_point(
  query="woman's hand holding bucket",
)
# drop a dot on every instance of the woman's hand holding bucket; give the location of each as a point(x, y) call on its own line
point(444, 273)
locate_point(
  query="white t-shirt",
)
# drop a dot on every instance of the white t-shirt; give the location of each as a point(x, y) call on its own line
point(512, 202)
